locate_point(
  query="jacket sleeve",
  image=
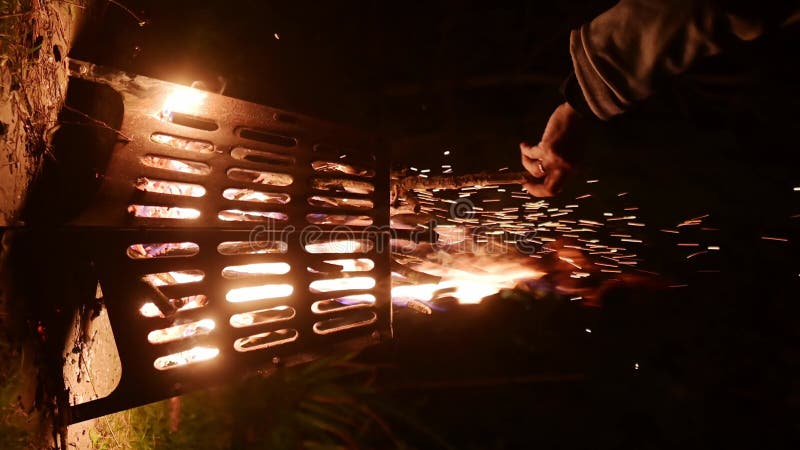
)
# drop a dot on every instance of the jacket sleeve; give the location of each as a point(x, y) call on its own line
point(624, 55)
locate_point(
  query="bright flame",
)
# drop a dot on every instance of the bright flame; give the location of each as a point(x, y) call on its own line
point(467, 287)
point(339, 246)
point(150, 310)
point(277, 268)
point(183, 99)
point(262, 292)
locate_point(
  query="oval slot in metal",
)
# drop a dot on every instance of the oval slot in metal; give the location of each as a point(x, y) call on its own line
point(163, 212)
point(174, 277)
point(350, 319)
point(183, 331)
point(260, 177)
point(333, 266)
point(342, 185)
point(262, 316)
point(338, 219)
point(162, 250)
point(340, 246)
point(266, 340)
point(183, 143)
point(267, 137)
point(239, 215)
point(262, 157)
point(188, 120)
point(255, 270)
point(260, 292)
point(340, 202)
point(176, 165)
point(346, 303)
point(254, 247)
point(170, 187)
point(341, 284)
point(249, 195)
point(181, 304)
point(337, 167)
point(185, 358)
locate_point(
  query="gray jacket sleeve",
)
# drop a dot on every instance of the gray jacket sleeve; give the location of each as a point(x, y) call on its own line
point(625, 54)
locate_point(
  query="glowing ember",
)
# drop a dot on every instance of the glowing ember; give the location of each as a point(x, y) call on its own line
point(176, 165)
point(193, 355)
point(170, 187)
point(249, 195)
point(161, 250)
point(177, 332)
point(230, 215)
point(174, 277)
point(163, 212)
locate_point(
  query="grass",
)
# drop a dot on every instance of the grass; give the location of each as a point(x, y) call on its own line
point(18, 428)
point(327, 404)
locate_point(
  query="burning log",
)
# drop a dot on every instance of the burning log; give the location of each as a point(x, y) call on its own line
point(414, 276)
point(401, 186)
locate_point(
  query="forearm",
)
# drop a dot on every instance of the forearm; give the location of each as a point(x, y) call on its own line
point(628, 52)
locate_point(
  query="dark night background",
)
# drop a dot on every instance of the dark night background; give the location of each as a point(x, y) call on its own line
point(719, 360)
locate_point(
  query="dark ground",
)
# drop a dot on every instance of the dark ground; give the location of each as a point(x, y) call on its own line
point(718, 360)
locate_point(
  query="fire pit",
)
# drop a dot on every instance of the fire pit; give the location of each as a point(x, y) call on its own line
point(230, 238)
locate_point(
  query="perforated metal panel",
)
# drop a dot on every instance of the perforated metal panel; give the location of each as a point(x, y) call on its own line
point(231, 237)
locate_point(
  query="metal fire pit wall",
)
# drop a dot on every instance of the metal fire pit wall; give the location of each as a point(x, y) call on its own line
point(258, 186)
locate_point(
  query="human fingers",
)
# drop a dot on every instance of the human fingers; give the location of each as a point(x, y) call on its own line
point(533, 166)
point(550, 185)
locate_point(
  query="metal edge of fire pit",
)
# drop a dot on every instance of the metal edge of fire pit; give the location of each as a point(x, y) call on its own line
point(106, 229)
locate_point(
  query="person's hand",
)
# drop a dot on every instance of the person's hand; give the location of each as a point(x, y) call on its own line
point(548, 162)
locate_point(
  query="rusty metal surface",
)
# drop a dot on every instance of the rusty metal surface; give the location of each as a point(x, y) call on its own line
point(107, 229)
